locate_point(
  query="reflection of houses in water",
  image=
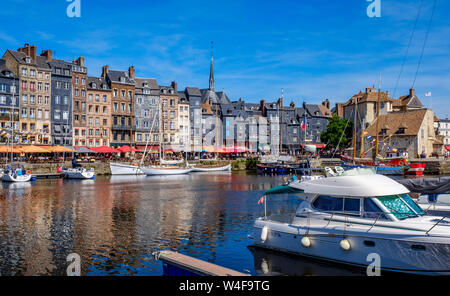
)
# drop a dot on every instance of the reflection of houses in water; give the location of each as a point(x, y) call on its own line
point(25, 226)
point(93, 223)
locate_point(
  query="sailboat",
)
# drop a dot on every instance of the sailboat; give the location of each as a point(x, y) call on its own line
point(166, 167)
point(218, 167)
point(382, 166)
point(10, 174)
point(79, 173)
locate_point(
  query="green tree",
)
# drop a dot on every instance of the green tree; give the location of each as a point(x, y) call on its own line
point(335, 130)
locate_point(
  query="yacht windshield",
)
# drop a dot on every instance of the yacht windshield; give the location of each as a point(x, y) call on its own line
point(401, 208)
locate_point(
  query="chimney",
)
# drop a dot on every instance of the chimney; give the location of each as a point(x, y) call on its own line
point(131, 72)
point(387, 93)
point(411, 92)
point(262, 107)
point(47, 54)
point(29, 51)
point(175, 86)
point(80, 61)
point(105, 70)
point(280, 102)
point(327, 102)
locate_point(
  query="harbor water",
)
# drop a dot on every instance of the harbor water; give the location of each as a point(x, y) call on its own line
point(115, 224)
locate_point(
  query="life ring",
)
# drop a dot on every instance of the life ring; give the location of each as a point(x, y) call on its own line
point(28, 172)
point(401, 163)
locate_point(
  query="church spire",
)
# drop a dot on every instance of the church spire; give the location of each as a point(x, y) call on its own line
point(211, 73)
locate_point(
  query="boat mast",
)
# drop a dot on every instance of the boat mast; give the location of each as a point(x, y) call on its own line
point(378, 120)
point(148, 139)
point(354, 135)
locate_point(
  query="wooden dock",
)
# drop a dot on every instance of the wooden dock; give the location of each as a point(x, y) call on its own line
point(181, 265)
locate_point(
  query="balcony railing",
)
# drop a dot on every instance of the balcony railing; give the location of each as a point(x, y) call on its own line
point(123, 127)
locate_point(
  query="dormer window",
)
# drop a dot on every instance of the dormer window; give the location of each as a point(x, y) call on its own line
point(104, 86)
point(28, 60)
point(122, 79)
point(400, 131)
point(145, 84)
point(94, 85)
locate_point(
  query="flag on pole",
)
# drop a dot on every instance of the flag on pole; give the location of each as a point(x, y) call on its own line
point(261, 200)
point(428, 94)
point(303, 125)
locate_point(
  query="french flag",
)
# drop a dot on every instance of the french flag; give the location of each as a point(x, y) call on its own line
point(261, 200)
point(303, 125)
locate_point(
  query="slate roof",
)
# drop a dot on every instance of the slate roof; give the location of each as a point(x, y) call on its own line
point(152, 84)
point(5, 72)
point(20, 57)
point(99, 81)
point(114, 76)
point(217, 98)
point(193, 92)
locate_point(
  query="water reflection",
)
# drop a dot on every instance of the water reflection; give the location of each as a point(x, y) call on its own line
point(116, 223)
point(271, 263)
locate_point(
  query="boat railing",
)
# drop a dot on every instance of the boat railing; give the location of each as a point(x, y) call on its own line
point(345, 218)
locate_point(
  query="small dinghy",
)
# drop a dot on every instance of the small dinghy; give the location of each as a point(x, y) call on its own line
point(79, 173)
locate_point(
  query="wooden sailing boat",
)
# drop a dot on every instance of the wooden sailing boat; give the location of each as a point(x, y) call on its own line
point(385, 167)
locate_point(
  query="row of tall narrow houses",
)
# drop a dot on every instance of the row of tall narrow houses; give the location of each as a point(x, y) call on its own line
point(404, 123)
point(55, 102)
point(122, 86)
point(9, 97)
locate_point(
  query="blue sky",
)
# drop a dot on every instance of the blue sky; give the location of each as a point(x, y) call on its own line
point(313, 49)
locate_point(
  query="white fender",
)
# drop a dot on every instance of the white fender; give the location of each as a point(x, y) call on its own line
point(306, 242)
point(264, 233)
point(345, 245)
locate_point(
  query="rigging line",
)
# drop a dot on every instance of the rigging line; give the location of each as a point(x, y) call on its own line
point(342, 135)
point(425, 42)
point(407, 48)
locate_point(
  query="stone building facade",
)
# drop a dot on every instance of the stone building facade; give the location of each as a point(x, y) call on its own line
point(9, 100)
point(122, 87)
point(61, 103)
point(98, 113)
point(169, 116)
point(34, 93)
point(146, 111)
point(79, 86)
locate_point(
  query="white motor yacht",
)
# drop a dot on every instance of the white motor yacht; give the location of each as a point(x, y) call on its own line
point(345, 218)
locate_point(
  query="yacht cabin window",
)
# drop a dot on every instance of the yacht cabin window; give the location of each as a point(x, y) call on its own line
point(362, 207)
point(401, 207)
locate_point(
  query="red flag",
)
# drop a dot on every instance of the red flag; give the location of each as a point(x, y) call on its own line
point(303, 125)
point(261, 200)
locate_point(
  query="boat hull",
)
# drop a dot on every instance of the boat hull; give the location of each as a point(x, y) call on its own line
point(416, 169)
point(125, 169)
point(217, 169)
point(149, 171)
point(16, 178)
point(396, 254)
point(78, 174)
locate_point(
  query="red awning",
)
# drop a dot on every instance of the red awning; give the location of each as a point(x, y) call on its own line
point(125, 149)
point(104, 149)
point(318, 146)
point(447, 147)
